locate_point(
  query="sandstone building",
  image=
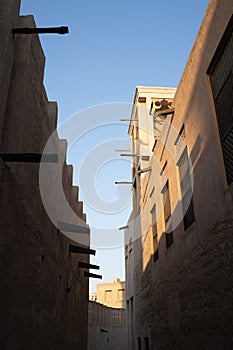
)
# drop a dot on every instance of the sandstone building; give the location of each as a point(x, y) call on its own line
point(107, 317)
point(106, 327)
point(43, 293)
point(110, 294)
point(178, 240)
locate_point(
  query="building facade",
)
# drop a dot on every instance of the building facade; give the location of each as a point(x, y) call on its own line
point(43, 293)
point(107, 317)
point(111, 294)
point(106, 327)
point(178, 244)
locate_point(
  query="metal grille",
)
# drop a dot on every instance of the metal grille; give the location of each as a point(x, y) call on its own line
point(227, 147)
point(221, 76)
point(224, 107)
point(222, 68)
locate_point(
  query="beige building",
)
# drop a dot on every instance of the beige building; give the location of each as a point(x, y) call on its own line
point(178, 241)
point(43, 293)
point(112, 294)
point(106, 327)
point(107, 317)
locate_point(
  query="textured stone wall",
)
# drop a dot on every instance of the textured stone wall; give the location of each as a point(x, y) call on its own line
point(190, 305)
point(43, 294)
point(183, 300)
point(103, 332)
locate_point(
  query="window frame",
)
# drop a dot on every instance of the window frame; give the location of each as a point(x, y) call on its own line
point(167, 214)
point(189, 212)
point(220, 73)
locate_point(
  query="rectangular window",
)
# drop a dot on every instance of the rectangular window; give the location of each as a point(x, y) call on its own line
point(115, 317)
point(154, 233)
point(167, 215)
point(221, 78)
point(186, 190)
point(139, 344)
point(142, 99)
point(146, 342)
point(121, 294)
point(108, 295)
point(180, 143)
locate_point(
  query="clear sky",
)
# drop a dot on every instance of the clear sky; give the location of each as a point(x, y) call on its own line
point(113, 46)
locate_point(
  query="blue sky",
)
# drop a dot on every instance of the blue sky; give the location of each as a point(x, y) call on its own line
point(112, 47)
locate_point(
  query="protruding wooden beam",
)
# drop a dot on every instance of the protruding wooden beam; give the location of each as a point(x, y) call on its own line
point(81, 250)
point(29, 157)
point(123, 182)
point(52, 30)
point(123, 227)
point(145, 170)
point(83, 265)
point(66, 226)
point(129, 155)
point(92, 275)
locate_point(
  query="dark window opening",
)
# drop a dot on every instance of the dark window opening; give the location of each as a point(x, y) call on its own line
point(167, 216)
point(154, 233)
point(186, 190)
point(142, 99)
point(146, 342)
point(139, 344)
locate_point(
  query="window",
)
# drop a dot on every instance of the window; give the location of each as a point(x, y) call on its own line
point(179, 143)
point(115, 317)
point(146, 342)
point(154, 233)
point(186, 190)
point(108, 295)
point(142, 99)
point(121, 294)
point(167, 215)
point(221, 78)
point(139, 344)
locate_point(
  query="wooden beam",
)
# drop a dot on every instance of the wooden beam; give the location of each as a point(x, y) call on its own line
point(123, 182)
point(29, 157)
point(92, 275)
point(81, 250)
point(52, 30)
point(83, 265)
point(67, 227)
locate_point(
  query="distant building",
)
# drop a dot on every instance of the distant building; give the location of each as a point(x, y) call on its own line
point(106, 327)
point(141, 131)
point(178, 240)
point(107, 317)
point(110, 294)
